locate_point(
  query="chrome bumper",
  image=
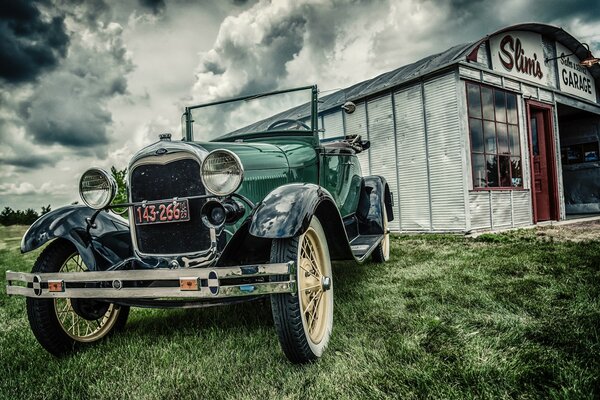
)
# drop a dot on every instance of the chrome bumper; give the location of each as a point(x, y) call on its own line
point(193, 283)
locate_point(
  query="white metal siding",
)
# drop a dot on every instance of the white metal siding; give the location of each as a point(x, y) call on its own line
point(413, 196)
point(356, 124)
point(501, 209)
point(522, 208)
point(445, 160)
point(334, 125)
point(383, 150)
point(513, 85)
point(529, 91)
point(546, 95)
point(491, 78)
point(469, 73)
point(479, 207)
point(482, 55)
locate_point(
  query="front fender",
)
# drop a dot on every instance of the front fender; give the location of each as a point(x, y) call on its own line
point(106, 244)
point(286, 211)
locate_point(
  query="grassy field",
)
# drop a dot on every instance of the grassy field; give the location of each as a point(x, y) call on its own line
point(515, 315)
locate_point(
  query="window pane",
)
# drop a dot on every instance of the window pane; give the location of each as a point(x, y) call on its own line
point(513, 137)
point(534, 137)
point(505, 171)
point(487, 102)
point(500, 105)
point(517, 173)
point(474, 100)
point(489, 132)
point(479, 170)
point(476, 135)
point(502, 132)
point(590, 152)
point(492, 170)
point(511, 108)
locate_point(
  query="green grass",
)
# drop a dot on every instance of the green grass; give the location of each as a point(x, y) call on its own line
point(515, 315)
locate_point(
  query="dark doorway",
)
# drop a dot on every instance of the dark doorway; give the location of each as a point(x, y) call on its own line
point(580, 159)
point(543, 162)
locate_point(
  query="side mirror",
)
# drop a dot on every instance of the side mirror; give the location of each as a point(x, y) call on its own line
point(349, 107)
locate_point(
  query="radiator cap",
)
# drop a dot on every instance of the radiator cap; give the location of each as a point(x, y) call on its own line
point(165, 136)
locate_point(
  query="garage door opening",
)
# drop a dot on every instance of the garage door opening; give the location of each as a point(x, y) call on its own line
point(580, 159)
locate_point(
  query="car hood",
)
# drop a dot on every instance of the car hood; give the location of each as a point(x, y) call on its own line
point(254, 156)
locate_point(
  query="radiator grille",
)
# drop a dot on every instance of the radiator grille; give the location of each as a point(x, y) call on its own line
point(179, 178)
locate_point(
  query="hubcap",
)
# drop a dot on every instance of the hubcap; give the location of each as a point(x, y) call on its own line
point(82, 319)
point(313, 286)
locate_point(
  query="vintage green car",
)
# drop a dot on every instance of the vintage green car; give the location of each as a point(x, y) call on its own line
point(259, 211)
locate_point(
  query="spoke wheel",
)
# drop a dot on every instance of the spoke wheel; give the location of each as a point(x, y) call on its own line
point(63, 325)
point(304, 320)
point(382, 252)
point(80, 325)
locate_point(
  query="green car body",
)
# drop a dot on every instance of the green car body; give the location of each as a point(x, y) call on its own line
point(295, 204)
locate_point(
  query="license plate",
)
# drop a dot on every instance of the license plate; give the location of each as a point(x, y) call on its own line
point(162, 212)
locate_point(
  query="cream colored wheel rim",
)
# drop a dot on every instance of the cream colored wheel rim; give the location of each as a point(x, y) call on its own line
point(313, 298)
point(78, 328)
point(385, 243)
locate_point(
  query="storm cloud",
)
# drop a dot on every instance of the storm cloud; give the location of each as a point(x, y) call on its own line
point(336, 43)
point(156, 6)
point(30, 43)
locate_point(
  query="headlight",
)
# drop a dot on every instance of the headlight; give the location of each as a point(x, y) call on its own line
point(97, 188)
point(222, 172)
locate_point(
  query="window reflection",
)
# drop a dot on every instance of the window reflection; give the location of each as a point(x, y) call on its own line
point(495, 139)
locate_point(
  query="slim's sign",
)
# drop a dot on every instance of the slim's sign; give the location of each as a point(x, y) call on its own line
point(519, 54)
point(573, 78)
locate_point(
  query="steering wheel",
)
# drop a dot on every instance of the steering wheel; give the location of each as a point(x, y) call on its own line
point(275, 124)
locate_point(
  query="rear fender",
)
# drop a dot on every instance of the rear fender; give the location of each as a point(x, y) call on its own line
point(106, 244)
point(376, 194)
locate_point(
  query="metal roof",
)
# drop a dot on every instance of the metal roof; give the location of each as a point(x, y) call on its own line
point(449, 57)
point(454, 55)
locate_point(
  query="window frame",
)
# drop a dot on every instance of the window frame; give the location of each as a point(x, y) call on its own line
point(482, 120)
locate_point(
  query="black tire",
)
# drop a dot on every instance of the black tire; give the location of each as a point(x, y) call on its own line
point(382, 252)
point(304, 338)
point(43, 314)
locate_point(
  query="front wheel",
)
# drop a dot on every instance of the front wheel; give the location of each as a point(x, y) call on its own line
point(304, 320)
point(62, 325)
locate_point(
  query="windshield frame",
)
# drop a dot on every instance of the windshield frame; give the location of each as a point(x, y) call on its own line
point(314, 127)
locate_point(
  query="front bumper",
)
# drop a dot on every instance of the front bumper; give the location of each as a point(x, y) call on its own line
point(155, 284)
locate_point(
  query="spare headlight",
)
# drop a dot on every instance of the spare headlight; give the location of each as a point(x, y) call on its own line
point(97, 188)
point(222, 172)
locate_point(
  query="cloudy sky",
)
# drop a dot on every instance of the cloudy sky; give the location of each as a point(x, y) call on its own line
point(88, 82)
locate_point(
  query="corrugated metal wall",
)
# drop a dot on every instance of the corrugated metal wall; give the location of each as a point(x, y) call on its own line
point(446, 165)
point(428, 187)
point(333, 125)
point(383, 147)
point(356, 124)
point(412, 195)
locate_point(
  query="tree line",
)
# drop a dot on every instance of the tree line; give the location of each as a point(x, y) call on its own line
point(8, 216)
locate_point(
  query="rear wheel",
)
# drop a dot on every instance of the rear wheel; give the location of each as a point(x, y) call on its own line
point(382, 252)
point(62, 325)
point(304, 320)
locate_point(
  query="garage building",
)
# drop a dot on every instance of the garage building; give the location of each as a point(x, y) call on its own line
point(498, 133)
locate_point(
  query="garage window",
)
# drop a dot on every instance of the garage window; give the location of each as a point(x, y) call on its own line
point(495, 138)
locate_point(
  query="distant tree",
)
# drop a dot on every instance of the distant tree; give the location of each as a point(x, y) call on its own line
point(121, 197)
point(6, 215)
point(45, 210)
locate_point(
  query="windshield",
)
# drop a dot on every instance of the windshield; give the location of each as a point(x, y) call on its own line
point(272, 112)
